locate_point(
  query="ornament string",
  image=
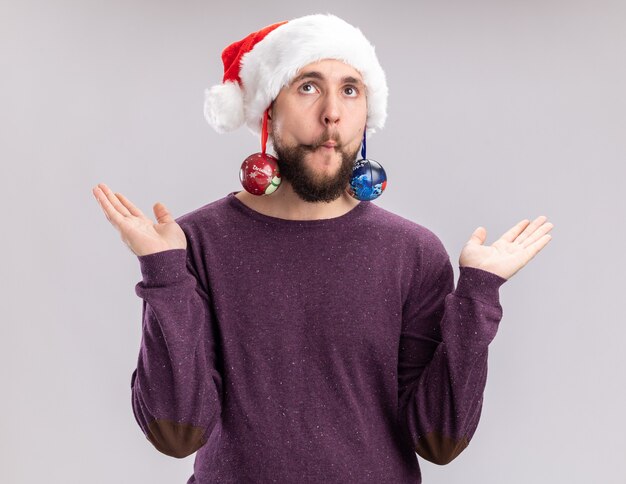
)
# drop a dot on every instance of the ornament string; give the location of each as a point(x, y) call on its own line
point(264, 134)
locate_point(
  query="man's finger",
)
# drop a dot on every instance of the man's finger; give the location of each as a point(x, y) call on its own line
point(537, 234)
point(162, 214)
point(531, 229)
point(113, 200)
point(478, 237)
point(110, 212)
point(129, 205)
point(534, 248)
point(514, 231)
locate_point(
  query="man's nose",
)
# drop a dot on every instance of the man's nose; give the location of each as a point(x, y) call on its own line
point(330, 110)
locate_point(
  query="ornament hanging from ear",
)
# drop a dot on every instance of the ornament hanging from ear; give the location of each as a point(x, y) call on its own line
point(369, 179)
point(259, 174)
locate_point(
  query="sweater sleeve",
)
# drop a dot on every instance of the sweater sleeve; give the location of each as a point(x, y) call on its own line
point(175, 388)
point(443, 355)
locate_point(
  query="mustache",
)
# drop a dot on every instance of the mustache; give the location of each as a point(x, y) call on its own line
point(325, 137)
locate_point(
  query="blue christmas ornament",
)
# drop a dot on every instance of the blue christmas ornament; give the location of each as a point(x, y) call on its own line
point(368, 176)
point(368, 180)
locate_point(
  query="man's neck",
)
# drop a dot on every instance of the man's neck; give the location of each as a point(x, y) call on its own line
point(284, 203)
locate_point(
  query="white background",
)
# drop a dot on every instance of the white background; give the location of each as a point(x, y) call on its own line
point(498, 111)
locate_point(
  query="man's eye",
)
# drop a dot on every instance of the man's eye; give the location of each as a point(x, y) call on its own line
point(351, 91)
point(308, 87)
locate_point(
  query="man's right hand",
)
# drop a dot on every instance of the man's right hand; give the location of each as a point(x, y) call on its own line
point(138, 232)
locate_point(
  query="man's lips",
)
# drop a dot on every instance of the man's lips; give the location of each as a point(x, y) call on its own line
point(329, 144)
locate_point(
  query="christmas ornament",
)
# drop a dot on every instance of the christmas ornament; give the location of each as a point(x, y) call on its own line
point(369, 179)
point(259, 174)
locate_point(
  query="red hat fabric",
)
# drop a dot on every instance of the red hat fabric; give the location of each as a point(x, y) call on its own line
point(231, 55)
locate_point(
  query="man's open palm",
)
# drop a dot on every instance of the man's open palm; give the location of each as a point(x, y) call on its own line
point(138, 232)
point(512, 251)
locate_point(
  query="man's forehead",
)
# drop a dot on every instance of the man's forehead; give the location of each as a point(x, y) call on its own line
point(327, 69)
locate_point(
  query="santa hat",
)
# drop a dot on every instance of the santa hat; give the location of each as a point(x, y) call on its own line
point(258, 66)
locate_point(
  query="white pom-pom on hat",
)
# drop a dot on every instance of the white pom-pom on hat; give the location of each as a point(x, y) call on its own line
point(223, 106)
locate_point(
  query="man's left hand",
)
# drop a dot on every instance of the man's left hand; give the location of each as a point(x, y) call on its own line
point(512, 251)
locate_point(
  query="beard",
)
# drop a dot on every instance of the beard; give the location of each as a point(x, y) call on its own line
point(307, 185)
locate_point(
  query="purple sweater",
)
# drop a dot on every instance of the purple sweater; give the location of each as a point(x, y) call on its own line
point(312, 351)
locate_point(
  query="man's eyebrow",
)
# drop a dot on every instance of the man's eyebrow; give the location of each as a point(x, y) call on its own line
point(320, 76)
point(309, 74)
point(351, 80)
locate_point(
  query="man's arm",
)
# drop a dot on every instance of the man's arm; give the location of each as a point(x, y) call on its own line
point(443, 354)
point(176, 389)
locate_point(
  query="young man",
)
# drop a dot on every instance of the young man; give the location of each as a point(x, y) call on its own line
point(306, 336)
